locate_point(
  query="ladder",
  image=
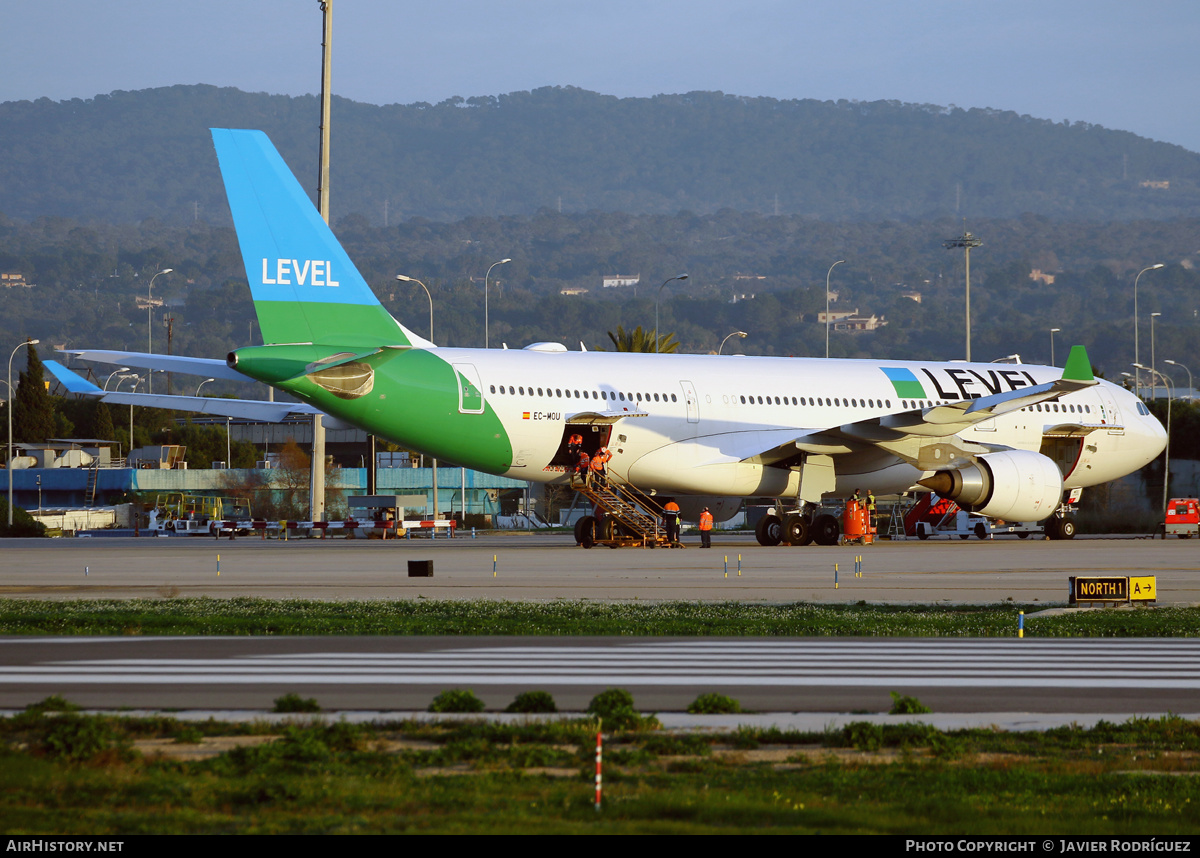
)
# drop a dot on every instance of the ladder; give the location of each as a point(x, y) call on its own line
point(631, 517)
point(92, 480)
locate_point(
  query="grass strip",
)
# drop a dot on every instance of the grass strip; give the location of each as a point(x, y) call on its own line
point(64, 773)
point(244, 616)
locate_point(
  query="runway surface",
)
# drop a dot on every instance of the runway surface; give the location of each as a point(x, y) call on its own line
point(778, 675)
point(519, 567)
point(988, 677)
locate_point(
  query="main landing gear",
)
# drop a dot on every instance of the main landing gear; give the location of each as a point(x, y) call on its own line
point(798, 528)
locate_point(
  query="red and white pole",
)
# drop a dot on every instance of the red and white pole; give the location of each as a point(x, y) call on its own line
point(599, 750)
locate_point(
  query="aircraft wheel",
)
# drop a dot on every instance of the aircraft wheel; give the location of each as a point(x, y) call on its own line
point(1066, 529)
point(798, 531)
point(769, 530)
point(587, 531)
point(605, 530)
point(825, 530)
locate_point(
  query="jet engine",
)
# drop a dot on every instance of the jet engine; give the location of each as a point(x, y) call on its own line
point(1017, 485)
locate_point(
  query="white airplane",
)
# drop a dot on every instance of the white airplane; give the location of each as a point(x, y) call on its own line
point(1002, 440)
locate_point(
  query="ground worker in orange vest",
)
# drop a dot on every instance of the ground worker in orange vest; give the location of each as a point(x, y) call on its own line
point(599, 467)
point(706, 526)
point(671, 520)
point(574, 445)
point(582, 468)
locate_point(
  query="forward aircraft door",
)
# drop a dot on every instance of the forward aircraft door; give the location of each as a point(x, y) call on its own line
point(693, 403)
point(1110, 415)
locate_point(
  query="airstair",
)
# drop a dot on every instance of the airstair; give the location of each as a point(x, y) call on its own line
point(625, 517)
point(931, 511)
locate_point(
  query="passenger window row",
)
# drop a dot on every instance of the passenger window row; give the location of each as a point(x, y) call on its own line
point(606, 395)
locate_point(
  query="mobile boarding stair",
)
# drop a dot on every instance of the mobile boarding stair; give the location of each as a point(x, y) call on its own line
point(626, 517)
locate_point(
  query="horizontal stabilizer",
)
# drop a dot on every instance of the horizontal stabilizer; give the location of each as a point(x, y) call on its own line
point(243, 409)
point(257, 410)
point(72, 382)
point(206, 367)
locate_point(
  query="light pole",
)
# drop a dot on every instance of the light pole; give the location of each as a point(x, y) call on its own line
point(111, 374)
point(657, 298)
point(1153, 365)
point(1053, 331)
point(1167, 450)
point(966, 241)
point(485, 299)
point(137, 379)
point(404, 279)
point(11, 402)
point(1191, 389)
point(827, 275)
point(150, 320)
point(201, 384)
point(741, 334)
point(1137, 379)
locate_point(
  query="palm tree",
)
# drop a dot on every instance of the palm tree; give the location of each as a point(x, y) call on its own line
point(638, 340)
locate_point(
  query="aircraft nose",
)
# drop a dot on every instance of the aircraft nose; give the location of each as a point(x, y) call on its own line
point(1155, 434)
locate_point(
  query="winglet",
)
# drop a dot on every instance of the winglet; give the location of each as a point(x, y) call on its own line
point(1079, 367)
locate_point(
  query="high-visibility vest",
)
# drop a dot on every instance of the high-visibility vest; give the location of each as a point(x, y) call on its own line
point(706, 521)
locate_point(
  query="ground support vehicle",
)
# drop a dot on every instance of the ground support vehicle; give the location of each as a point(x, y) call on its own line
point(1182, 518)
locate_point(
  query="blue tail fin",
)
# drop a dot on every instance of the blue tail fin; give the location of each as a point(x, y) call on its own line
point(305, 288)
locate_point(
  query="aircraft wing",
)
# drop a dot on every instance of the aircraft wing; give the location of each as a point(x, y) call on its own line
point(206, 367)
point(245, 409)
point(925, 436)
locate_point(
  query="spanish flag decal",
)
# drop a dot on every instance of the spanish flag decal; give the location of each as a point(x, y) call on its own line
point(525, 415)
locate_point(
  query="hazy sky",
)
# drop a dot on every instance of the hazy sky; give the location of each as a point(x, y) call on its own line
point(1123, 65)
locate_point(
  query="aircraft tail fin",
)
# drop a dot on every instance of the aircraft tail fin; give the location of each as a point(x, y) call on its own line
point(305, 288)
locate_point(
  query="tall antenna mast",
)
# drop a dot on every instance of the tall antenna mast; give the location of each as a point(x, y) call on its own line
point(966, 241)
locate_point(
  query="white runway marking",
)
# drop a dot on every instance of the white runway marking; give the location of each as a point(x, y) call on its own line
point(1112, 664)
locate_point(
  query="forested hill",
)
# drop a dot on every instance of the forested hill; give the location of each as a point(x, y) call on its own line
point(128, 156)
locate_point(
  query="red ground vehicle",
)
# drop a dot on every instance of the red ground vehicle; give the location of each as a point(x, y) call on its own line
point(1183, 517)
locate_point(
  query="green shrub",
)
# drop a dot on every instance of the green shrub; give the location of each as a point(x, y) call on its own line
point(532, 702)
point(76, 738)
point(457, 700)
point(907, 706)
point(863, 735)
point(714, 704)
point(296, 703)
point(614, 707)
point(53, 703)
point(23, 524)
point(187, 734)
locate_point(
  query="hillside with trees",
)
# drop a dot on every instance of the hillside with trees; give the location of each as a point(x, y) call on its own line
point(129, 156)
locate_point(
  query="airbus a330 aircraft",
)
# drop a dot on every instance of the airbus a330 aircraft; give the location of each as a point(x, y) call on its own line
point(1003, 440)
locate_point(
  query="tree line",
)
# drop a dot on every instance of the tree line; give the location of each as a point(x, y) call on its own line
point(128, 156)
